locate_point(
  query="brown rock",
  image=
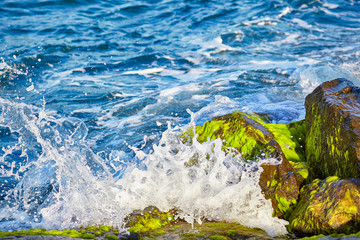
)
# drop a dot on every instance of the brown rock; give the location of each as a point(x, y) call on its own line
point(328, 206)
point(333, 130)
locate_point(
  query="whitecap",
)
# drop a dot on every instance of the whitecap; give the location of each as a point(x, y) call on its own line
point(145, 71)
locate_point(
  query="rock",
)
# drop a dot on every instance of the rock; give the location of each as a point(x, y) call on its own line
point(255, 139)
point(90, 232)
point(333, 130)
point(150, 218)
point(328, 206)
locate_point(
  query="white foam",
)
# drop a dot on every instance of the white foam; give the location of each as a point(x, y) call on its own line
point(302, 23)
point(284, 12)
point(353, 68)
point(78, 190)
point(30, 88)
point(219, 189)
point(330, 5)
point(176, 90)
point(5, 68)
point(327, 11)
point(219, 106)
point(208, 48)
point(313, 76)
point(145, 71)
point(290, 38)
point(170, 72)
point(261, 22)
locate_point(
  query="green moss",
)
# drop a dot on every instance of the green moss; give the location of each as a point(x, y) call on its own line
point(327, 206)
point(151, 219)
point(301, 168)
point(87, 233)
point(285, 206)
point(159, 232)
point(105, 228)
point(110, 236)
point(88, 236)
point(239, 131)
point(232, 233)
point(291, 138)
point(327, 146)
point(72, 233)
point(331, 179)
point(92, 228)
point(216, 237)
point(250, 136)
point(192, 235)
point(273, 183)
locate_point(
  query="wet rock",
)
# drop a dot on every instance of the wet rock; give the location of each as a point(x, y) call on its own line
point(327, 206)
point(333, 130)
point(151, 218)
point(255, 139)
point(47, 237)
point(89, 232)
point(207, 230)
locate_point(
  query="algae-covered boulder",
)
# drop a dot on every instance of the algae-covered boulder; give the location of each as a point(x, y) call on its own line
point(328, 206)
point(333, 130)
point(255, 139)
point(151, 218)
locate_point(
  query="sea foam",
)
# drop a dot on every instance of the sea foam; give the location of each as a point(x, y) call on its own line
point(64, 184)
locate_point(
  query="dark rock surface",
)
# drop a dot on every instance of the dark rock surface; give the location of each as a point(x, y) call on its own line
point(333, 130)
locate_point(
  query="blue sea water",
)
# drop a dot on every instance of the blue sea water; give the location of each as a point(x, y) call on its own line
point(93, 94)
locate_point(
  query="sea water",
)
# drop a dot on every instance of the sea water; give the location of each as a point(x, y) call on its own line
point(94, 95)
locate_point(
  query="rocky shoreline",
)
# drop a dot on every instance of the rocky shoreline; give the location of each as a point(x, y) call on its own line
point(314, 184)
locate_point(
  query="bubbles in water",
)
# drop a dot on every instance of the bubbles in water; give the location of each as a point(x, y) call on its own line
point(63, 184)
point(202, 181)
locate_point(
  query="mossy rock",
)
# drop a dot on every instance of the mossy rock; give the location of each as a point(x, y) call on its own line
point(151, 218)
point(89, 232)
point(207, 230)
point(327, 206)
point(43, 232)
point(333, 130)
point(253, 138)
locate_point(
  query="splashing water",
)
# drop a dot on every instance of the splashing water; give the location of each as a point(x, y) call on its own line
point(61, 183)
point(101, 148)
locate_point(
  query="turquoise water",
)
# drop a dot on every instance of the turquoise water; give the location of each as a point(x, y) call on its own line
point(94, 92)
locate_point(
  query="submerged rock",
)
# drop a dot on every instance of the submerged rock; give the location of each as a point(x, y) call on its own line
point(250, 136)
point(328, 206)
point(333, 130)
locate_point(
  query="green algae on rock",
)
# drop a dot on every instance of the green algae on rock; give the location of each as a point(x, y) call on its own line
point(254, 139)
point(68, 233)
point(251, 136)
point(207, 230)
point(301, 168)
point(327, 206)
point(241, 131)
point(333, 130)
point(151, 218)
point(90, 232)
point(291, 138)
